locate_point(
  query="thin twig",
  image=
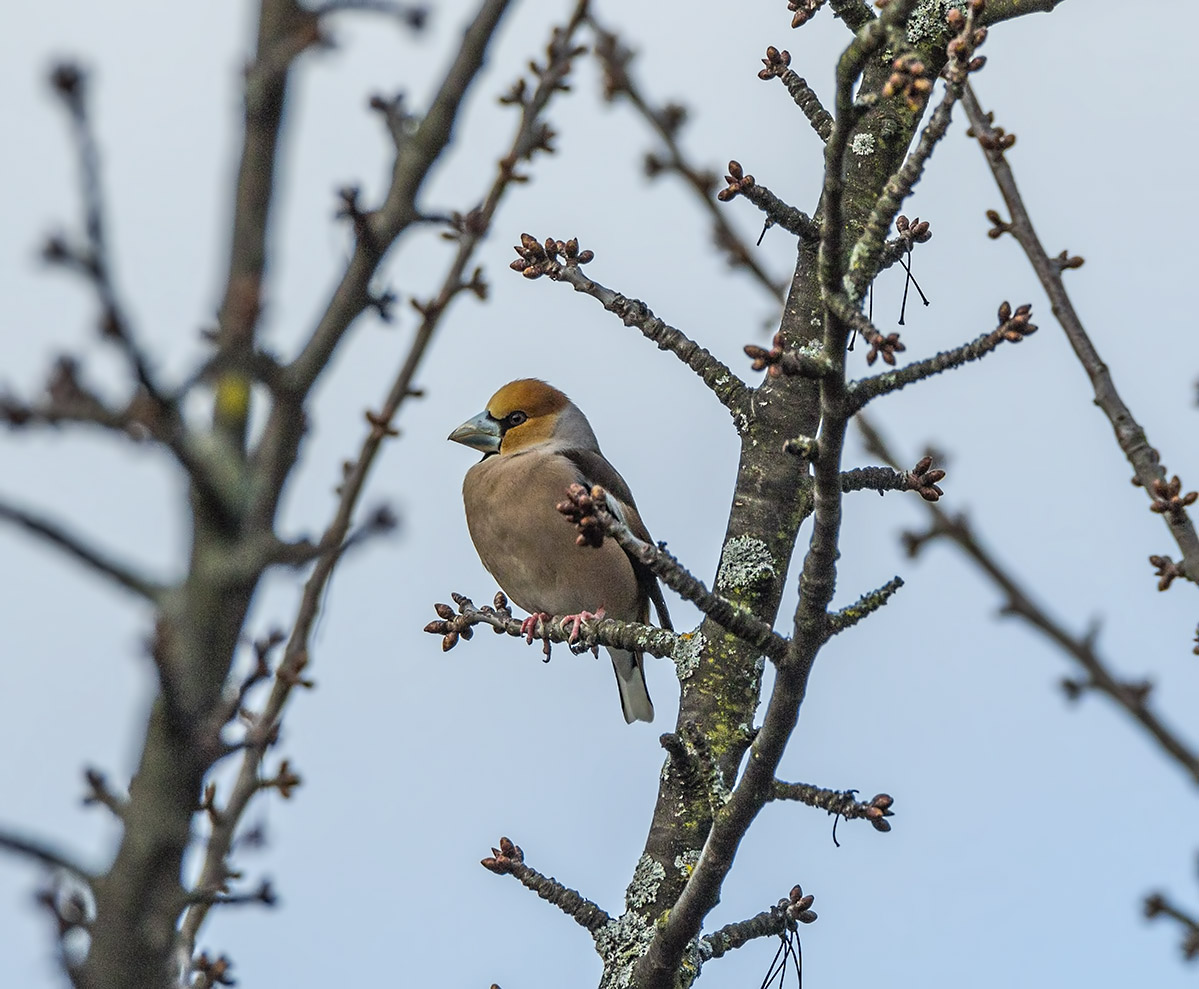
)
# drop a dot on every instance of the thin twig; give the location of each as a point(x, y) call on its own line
point(509, 860)
point(1129, 433)
point(615, 58)
point(1021, 603)
point(718, 376)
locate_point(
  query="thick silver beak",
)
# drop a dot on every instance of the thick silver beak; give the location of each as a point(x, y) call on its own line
point(482, 433)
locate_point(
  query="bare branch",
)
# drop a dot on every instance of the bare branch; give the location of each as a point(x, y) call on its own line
point(864, 263)
point(609, 632)
point(615, 57)
point(1013, 327)
point(866, 605)
point(778, 67)
point(43, 853)
point(73, 546)
point(509, 860)
point(536, 260)
point(792, 220)
point(589, 511)
point(793, 909)
point(470, 230)
point(841, 803)
point(1129, 433)
point(1157, 905)
point(921, 478)
point(1020, 602)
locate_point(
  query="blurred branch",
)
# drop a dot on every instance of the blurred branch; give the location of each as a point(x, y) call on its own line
point(1129, 433)
point(76, 548)
point(469, 230)
point(42, 853)
point(1133, 698)
point(615, 58)
point(92, 261)
point(1157, 905)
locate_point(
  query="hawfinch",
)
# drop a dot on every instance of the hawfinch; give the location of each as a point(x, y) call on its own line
point(536, 443)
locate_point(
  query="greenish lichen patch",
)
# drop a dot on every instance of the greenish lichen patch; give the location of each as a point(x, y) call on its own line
point(687, 651)
point(745, 563)
point(862, 144)
point(927, 23)
point(621, 943)
point(647, 878)
point(686, 861)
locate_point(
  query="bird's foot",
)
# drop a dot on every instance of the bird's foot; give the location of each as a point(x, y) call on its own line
point(577, 620)
point(529, 625)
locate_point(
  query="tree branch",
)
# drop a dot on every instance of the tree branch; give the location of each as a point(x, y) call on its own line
point(42, 853)
point(615, 58)
point(866, 605)
point(509, 860)
point(73, 546)
point(589, 511)
point(609, 632)
point(1019, 602)
point(1013, 327)
point(536, 260)
point(1129, 433)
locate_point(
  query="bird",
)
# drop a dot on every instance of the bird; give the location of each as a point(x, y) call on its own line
point(536, 443)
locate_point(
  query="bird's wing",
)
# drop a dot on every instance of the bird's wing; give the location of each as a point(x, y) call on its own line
point(594, 469)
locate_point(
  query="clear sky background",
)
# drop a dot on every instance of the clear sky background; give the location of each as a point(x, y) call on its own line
point(1027, 829)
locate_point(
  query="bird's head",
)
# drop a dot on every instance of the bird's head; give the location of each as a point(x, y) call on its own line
point(523, 415)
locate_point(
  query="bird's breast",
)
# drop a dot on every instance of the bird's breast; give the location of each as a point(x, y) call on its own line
point(529, 547)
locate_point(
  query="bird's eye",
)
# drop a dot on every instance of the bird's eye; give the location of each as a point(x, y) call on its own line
point(514, 419)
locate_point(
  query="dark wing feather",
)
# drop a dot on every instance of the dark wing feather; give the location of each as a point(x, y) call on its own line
point(594, 469)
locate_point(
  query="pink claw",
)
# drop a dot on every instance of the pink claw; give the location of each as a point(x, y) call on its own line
point(577, 620)
point(528, 626)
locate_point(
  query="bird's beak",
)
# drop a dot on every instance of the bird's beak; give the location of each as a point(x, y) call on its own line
point(482, 433)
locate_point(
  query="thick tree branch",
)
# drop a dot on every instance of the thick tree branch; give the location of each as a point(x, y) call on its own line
point(1129, 433)
point(470, 230)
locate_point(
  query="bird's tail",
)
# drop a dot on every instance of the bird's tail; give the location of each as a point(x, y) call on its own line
point(630, 680)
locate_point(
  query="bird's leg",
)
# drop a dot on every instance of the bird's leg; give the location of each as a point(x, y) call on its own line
point(577, 620)
point(529, 625)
